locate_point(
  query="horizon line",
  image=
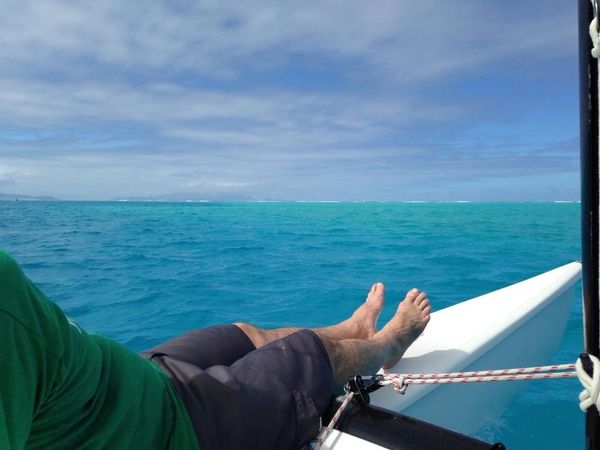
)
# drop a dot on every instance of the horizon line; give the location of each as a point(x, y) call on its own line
point(59, 200)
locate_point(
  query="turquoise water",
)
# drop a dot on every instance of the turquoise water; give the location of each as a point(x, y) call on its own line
point(143, 272)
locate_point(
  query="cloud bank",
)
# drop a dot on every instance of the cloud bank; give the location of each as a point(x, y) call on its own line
point(331, 100)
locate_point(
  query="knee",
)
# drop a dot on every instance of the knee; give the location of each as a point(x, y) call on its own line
point(246, 328)
point(256, 335)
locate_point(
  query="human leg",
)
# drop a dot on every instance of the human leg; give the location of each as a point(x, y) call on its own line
point(361, 325)
point(277, 393)
point(225, 344)
point(353, 345)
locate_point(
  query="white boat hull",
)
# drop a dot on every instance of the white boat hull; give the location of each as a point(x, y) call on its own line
point(517, 326)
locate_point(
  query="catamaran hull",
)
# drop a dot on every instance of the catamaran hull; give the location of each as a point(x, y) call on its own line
point(466, 407)
point(517, 326)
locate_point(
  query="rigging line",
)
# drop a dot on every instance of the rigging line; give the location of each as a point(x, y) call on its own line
point(325, 432)
point(480, 373)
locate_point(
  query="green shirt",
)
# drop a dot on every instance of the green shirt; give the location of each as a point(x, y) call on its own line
point(62, 388)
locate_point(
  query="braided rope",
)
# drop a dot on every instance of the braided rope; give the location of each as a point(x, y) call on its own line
point(588, 397)
point(591, 385)
point(482, 373)
point(595, 38)
point(401, 381)
point(324, 433)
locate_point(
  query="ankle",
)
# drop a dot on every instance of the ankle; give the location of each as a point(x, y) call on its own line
point(382, 343)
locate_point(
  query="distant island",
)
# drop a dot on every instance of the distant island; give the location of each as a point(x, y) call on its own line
point(21, 197)
point(191, 197)
point(176, 197)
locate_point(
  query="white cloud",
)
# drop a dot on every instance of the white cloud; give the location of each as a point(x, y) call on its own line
point(215, 39)
point(242, 120)
point(116, 98)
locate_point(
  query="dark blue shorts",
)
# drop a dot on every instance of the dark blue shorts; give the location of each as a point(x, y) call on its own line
point(238, 396)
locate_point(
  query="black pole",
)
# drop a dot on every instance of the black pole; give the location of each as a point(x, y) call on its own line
point(588, 105)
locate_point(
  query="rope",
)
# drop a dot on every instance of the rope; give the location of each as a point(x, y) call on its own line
point(591, 384)
point(595, 38)
point(588, 397)
point(401, 381)
point(324, 433)
point(520, 370)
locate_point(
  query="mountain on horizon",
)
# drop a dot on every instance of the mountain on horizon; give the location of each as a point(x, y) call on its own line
point(191, 196)
point(45, 198)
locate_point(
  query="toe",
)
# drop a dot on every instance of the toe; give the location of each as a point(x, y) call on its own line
point(425, 311)
point(420, 298)
point(412, 295)
point(375, 299)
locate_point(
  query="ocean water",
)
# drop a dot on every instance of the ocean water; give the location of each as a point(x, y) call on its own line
point(143, 272)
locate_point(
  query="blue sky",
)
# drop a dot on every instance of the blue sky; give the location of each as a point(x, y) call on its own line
point(329, 100)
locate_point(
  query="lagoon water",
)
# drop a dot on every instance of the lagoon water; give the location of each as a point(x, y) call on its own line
point(143, 272)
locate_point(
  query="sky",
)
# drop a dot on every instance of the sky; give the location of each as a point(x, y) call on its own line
point(290, 100)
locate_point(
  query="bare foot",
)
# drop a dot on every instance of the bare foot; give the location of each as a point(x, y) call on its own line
point(362, 324)
point(407, 324)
